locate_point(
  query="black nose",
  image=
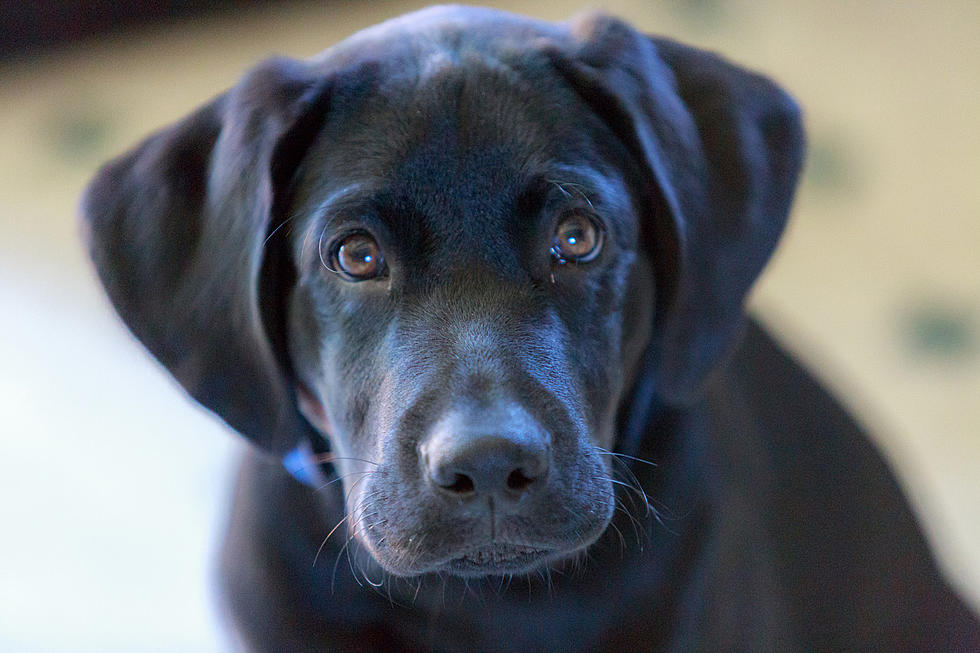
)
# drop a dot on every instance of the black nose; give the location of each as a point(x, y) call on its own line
point(467, 457)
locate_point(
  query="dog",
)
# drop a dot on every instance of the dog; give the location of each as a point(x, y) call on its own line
point(473, 285)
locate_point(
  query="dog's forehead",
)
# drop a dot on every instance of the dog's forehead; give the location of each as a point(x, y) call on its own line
point(452, 136)
point(472, 78)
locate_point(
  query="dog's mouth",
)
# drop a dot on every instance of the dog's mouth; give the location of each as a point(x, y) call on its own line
point(413, 528)
point(495, 559)
point(470, 559)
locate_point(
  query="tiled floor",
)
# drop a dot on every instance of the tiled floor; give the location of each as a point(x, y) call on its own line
point(112, 486)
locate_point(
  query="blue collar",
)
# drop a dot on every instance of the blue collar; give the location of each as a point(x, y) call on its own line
point(301, 464)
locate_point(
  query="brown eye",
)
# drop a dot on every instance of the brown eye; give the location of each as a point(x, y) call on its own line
point(577, 239)
point(357, 257)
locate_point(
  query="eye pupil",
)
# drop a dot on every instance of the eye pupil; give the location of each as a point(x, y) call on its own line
point(358, 257)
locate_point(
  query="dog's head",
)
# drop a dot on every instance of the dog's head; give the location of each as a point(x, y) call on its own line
point(457, 246)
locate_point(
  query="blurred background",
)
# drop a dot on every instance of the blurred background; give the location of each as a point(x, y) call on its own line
point(114, 487)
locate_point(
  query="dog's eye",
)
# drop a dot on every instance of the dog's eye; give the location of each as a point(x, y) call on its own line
point(577, 239)
point(357, 257)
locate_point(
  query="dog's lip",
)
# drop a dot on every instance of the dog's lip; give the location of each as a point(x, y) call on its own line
point(496, 558)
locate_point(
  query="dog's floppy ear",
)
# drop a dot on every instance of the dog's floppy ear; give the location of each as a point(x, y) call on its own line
point(721, 149)
point(178, 231)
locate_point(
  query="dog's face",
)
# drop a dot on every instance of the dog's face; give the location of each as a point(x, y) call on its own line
point(467, 310)
point(461, 247)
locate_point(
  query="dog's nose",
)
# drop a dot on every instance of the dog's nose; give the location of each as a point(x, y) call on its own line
point(466, 457)
point(486, 465)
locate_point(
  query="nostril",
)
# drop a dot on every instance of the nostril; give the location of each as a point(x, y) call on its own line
point(462, 463)
point(517, 480)
point(462, 484)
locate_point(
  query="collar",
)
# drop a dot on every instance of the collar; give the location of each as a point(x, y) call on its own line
point(299, 463)
point(305, 461)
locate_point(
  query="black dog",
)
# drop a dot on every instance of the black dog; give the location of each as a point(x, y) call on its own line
point(485, 270)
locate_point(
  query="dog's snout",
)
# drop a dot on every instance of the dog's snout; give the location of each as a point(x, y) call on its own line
point(490, 465)
point(499, 452)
